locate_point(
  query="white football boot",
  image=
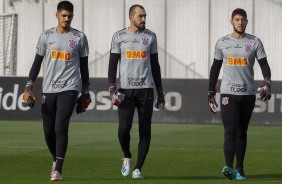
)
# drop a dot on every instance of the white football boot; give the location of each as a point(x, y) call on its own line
point(56, 176)
point(53, 169)
point(136, 174)
point(125, 168)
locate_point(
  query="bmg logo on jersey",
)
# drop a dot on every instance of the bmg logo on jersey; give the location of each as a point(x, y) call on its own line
point(60, 55)
point(135, 54)
point(237, 61)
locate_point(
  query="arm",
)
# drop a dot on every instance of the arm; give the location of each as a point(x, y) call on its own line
point(35, 69)
point(112, 70)
point(265, 68)
point(84, 70)
point(156, 72)
point(215, 69)
point(214, 73)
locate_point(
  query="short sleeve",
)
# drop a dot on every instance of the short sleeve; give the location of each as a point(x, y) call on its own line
point(41, 45)
point(84, 49)
point(217, 51)
point(154, 45)
point(260, 52)
point(115, 46)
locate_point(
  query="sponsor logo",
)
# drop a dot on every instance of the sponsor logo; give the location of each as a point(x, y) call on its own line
point(237, 61)
point(136, 54)
point(58, 84)
point(136, 81)
point(60, 55)
point(145, 41)
point(237, 46)
point(224, 100)
point(238, 88)
point(72, 44)
point(248, 48)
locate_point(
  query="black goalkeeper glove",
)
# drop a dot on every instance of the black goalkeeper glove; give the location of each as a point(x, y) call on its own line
point(265, 90)
point(211, 100)
point(160, 103)
point(84, 100)
point(29, 96)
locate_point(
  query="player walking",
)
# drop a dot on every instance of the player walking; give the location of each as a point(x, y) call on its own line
point(66, 58)
point(237, 52)
point(135, 48)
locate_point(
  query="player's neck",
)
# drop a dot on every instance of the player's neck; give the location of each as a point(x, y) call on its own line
point(238, 35)
point(63, 30)
point(133, 29)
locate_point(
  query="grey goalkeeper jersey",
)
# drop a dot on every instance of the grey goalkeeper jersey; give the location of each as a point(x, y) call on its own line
point(134, 66)
point(238, 57)
point(62, 52)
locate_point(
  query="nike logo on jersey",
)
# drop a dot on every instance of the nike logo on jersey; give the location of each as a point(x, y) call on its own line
point(125, 41)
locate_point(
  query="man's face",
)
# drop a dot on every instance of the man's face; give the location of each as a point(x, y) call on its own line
point(239, 23)
point(138, 19)
point(64, 18)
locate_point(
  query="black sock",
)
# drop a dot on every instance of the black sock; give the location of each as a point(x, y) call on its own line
point(59, 165)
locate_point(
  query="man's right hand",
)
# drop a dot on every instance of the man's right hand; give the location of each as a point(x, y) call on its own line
point(29, 96)
point(211, 100)
point(112, 90)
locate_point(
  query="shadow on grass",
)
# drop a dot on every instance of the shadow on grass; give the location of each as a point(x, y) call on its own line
point(265, 176)
point(184, 177)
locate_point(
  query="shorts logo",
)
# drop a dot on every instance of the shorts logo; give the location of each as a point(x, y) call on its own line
point(145, 42)
point(43, 99)
point(136, 54)
point(237, 61)
point(224, 100)
point(60, 55)
point(72, 44)
point(248, 48)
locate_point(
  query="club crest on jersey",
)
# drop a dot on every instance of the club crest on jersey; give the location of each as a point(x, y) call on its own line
point(145, 42)
point(224, 100)
point(72, 44)
point(248, 48)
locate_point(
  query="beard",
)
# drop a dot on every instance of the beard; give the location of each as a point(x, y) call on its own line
point(140, 27)
point(239, 32)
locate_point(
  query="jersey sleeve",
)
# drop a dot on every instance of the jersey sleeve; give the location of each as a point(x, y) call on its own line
point(154, 45)
point(115, 46)
point(218, 52)
point(41, 45)
point(260, 53)
point(84, 49)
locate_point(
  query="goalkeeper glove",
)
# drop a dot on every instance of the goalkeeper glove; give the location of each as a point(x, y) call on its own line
point(160, 102)
point(112, 90)
point(211, 100)
point(265, 90)
point(29, 96)
point(84, 100)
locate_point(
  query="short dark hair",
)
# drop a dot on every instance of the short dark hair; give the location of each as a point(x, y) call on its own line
point(239, 11)
point(132, 8)
point(65, 5)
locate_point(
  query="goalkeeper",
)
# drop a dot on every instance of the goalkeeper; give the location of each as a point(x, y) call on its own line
point(66, 59)
point(135, 48)
point(237, 52)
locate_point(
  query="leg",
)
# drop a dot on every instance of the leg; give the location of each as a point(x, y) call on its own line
point(65, 105)
point(145, 111)
point(230, 118)
point(48, 116)
point(125, 115)
point(246, 110)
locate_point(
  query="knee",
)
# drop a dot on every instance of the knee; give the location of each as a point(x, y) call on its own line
point(230, 133)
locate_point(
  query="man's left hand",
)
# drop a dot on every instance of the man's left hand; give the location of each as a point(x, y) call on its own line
point(83, 101)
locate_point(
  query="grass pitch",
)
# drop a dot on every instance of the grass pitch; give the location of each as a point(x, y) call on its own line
point(179, 153)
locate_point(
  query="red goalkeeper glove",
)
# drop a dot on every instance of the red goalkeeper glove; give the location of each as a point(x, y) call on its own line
point(265, 90)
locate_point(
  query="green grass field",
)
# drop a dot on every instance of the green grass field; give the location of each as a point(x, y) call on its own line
point(179, 153)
